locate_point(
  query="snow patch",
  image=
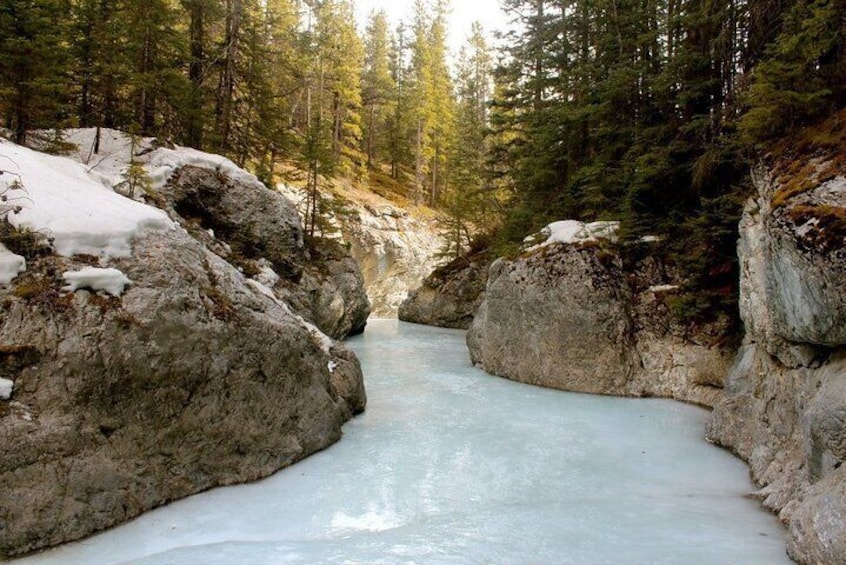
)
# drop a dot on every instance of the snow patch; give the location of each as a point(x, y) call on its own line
point(109, 165)
point(11, 265)
point(111, 281)
point(663, 288)
point(266, 276)
point(59, 199)
point(6, 389)
point(573, 231)
point(163, 162)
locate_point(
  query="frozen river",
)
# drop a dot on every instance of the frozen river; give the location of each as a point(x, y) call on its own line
point(449, 465)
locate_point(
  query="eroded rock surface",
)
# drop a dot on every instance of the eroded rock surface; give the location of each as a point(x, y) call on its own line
point(451, 295)
point(394, 249)
point(259, 229)
point(785, 405)
point(567, 315)
point(192, 379)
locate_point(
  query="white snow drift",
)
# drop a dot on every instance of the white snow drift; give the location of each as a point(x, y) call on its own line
point(59, 199)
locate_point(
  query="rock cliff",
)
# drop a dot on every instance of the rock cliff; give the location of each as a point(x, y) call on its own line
point(566, 314)
point(785, 405)
point(192, 372)
point(394, 248)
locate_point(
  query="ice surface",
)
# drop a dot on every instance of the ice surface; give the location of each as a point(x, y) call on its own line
point(449, 465)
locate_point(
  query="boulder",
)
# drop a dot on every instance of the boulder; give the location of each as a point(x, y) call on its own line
point(451, 295)
point(559, 317)
point(258, 229)
point(148, 358)
point(331, 291)
point(195, 377)
point(570, 313)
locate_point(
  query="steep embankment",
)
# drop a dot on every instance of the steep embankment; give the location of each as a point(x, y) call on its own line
point(148, 354)
point(785, 405)
point(395, 247)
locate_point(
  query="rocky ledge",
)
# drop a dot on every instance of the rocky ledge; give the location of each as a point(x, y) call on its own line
point(565, 314)
point(451, 295)
point(146, 358)
point(785, 405)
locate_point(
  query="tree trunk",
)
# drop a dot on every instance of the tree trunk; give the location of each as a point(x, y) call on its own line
point(226, 90)
point(196, 73)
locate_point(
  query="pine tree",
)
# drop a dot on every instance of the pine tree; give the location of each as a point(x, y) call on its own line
point(378, 89)
point(33, 64)
point(471, 200)
point(804, 75)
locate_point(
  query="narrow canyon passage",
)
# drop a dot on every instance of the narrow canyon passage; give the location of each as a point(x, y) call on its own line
point(449, 465)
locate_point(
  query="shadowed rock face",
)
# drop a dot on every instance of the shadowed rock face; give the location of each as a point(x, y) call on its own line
point(197, 376)
point(785, 407)
point(247, 223)
point(450, 296)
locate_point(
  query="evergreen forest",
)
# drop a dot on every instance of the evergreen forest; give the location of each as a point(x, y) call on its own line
point(652, 112)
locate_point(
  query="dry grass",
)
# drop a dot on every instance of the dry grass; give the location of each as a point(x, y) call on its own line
point(814, 156)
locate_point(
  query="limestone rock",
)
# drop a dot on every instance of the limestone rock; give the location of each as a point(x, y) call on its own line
point(394, 250)
point(785, 405)
point(193, 378)
point(557, 317)
point(248, 224)
point(251, 220)
point(571, 316)
point(450, 296)
point(332, 292)
point(788, 299)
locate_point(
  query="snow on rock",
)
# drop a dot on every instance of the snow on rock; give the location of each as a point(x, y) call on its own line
point(573, 231)
point(657, 289)
point(266, 276)
point(111, 281)
point(163, 162)
point(11, 265)
point(61, 200)
point(6, 389)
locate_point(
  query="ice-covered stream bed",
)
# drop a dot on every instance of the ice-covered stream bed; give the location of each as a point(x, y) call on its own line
point(449, 465)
